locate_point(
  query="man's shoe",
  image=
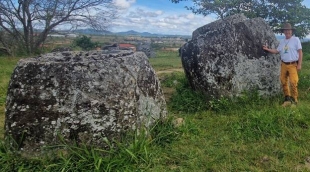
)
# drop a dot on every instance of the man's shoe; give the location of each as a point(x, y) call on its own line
point(293, 100)
point(287, 101)
point(294, 103)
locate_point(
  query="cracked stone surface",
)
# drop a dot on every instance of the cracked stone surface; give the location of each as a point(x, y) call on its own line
point(81, 96)
point(225, 58)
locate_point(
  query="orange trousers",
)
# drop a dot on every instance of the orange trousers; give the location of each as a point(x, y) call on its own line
point(289, 80)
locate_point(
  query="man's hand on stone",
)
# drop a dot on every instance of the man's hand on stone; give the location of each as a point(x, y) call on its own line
point(265, 47)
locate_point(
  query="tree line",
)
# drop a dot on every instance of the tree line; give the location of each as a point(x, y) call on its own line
point(274, 12)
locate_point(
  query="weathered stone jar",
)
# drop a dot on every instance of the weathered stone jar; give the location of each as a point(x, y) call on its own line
point(81, 96)
point(225, 58)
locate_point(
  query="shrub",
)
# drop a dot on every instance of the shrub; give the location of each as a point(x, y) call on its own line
point(84, 42)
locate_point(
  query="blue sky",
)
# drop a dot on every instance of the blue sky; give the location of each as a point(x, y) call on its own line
point(160, 16)
point(157, 16)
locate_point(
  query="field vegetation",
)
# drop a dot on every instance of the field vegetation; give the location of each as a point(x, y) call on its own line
point(249, 133)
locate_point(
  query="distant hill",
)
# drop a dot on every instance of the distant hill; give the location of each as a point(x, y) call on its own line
point(132, 32)
point(127, 33)
point(147, 34)
point(92, 32)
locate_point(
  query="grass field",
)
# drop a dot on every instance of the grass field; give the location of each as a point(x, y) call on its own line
point(6, 68)
point(251, 134)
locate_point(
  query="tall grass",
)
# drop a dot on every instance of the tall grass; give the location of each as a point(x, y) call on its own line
point(6, 69)
point(135, 151)
point(250, 133)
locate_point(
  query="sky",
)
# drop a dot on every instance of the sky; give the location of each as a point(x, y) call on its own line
point(160, 17)
point(157, 16)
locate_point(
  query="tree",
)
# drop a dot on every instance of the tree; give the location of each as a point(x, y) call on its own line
point(84, 42)
point(6, 42)
point(275, 12)
point(27, 23)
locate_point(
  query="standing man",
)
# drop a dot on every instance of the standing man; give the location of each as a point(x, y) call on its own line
point(291, 54)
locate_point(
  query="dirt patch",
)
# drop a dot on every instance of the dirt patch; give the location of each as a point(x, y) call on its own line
point(168, 91)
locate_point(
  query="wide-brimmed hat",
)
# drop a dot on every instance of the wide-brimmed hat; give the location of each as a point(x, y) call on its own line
point(287, 26)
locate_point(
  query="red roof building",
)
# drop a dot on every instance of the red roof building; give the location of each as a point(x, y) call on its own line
point(125, 46)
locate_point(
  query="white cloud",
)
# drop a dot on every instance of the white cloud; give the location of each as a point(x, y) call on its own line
point(144, 19)
point(159, 12)
point(141, 13)
point(190, 16)
point(123, 4)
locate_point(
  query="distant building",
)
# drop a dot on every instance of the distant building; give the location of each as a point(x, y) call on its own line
point(71, 35)
point(127, 46)
point(55, 35)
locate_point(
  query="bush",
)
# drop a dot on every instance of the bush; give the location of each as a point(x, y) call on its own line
point(84, 42)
